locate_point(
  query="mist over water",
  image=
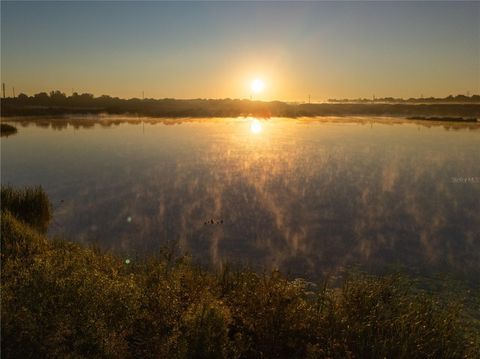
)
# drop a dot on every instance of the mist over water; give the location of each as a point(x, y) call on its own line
point(309, 196)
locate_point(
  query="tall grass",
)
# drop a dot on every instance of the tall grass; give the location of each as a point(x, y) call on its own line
point(30, 205)
point(60, 299)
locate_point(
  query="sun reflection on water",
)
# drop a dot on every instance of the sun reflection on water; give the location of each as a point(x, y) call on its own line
point(256, 127)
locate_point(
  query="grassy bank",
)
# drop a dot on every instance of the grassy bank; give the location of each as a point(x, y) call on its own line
point(63, 300)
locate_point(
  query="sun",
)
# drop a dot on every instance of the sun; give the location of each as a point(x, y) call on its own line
point(257, 85)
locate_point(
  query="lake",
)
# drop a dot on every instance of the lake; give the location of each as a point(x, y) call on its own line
point(307, 196)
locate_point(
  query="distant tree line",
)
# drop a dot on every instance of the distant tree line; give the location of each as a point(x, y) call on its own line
point(448, 99)
point(58, 103)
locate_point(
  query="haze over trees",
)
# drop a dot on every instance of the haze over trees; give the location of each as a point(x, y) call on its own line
point(58, 103)
point(447, 99)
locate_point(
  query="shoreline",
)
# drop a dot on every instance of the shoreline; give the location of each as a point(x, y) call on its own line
point(170, 108)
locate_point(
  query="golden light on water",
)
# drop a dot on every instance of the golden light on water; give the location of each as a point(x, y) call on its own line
point(256, 127)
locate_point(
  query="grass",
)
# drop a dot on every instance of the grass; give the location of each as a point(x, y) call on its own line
point(7, 130)
point(30, 205)
point(60, 299)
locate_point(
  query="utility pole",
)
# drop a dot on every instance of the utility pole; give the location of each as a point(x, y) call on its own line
point(143, 95)
point(3, 89)
point(309, 99)
point(13, 90)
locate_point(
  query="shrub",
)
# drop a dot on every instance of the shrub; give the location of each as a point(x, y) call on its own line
point(30, 205)
point(7, 130)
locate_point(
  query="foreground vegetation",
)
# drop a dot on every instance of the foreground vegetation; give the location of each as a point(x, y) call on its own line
point(57, 103)
point(63, 300)
point(7, 130)
point(29, 205)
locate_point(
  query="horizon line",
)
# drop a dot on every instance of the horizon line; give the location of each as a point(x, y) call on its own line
point(307, 99)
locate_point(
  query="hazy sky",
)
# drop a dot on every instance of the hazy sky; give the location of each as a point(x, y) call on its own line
point(214, 49)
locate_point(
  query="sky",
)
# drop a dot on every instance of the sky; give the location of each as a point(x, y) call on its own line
point(216, 49)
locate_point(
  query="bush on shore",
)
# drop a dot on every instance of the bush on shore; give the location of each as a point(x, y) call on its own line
point(62, 300)
point(7, 130)
point(30, 205)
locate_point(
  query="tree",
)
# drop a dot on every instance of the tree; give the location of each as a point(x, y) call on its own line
point(57, 96)
point(41, 98)
point(22, 98)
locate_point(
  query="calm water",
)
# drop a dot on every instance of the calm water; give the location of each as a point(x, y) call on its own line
point(307, 196)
